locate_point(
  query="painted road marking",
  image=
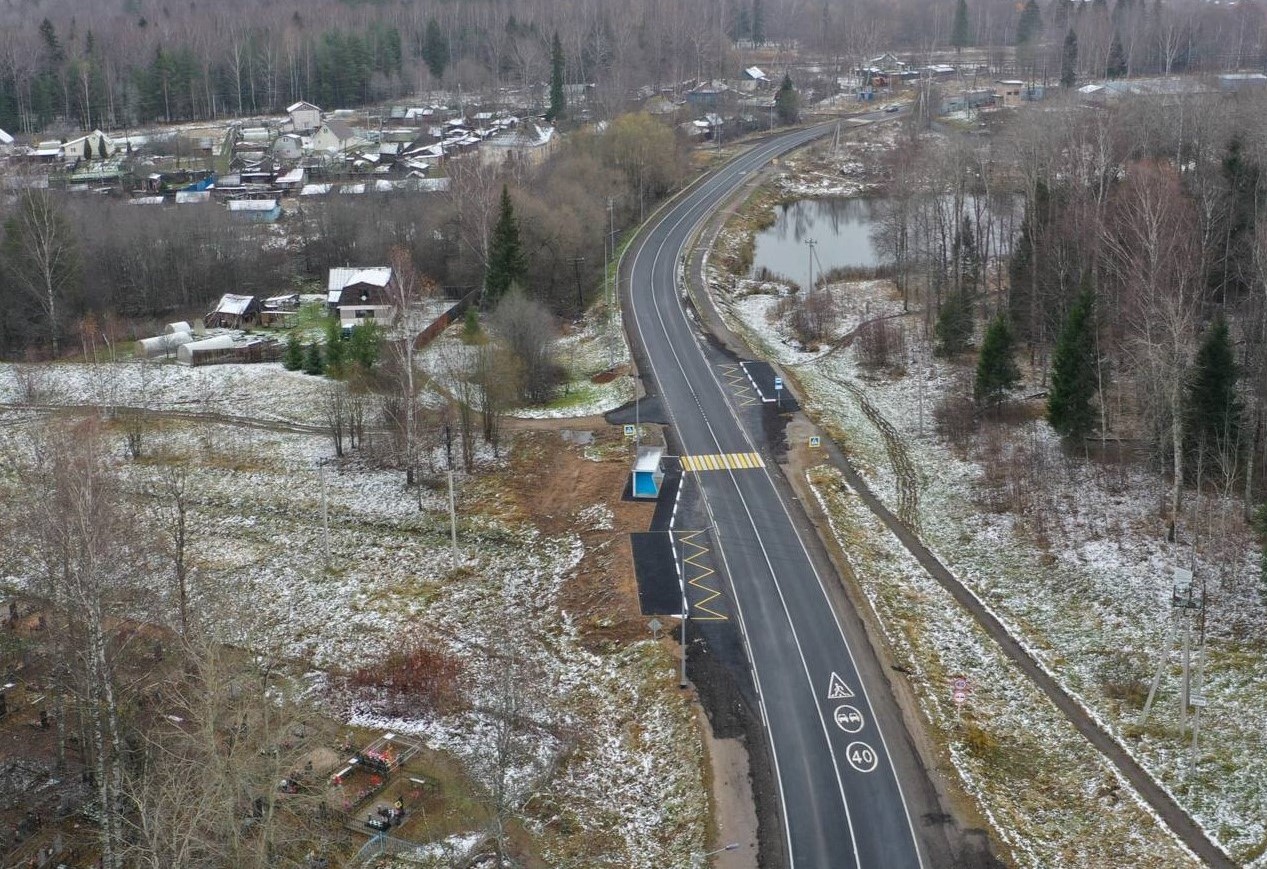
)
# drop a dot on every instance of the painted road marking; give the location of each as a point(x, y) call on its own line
point(837, 689)
point(861, 756)
point(740, 384)
point(848, 719)
point(723, 462)
point(700, 576)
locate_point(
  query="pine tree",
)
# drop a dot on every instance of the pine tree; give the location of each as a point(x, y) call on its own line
point(787, 102)
point(758, 23)
point(1030, 24)
point(1116, 66)
point(506, 261)
point(1214, 409)
point(435, 49)
point(558, 99)
point(1073, 378)
point(960, 35)
point(1069, 60)
point(294, 358)
point(997, 373)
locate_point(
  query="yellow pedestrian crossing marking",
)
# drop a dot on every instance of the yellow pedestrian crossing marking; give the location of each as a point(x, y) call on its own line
point(737, 380)
point(723, 462)
point(700, 576)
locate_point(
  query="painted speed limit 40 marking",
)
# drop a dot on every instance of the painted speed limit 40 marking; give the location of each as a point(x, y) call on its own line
point(861, 756)
point(848, 719)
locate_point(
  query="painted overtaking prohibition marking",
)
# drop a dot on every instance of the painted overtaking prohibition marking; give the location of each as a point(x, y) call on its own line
point(848, 719)
point(861, 756)
point(837, 689)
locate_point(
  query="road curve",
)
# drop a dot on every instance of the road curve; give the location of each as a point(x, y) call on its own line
point(840, 799)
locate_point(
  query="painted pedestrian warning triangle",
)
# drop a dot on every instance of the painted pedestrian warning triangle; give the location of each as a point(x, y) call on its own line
point(837, 689)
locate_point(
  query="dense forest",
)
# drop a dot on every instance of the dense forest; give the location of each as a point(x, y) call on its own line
point(66, 64)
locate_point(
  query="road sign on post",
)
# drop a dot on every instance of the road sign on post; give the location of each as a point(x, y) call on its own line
point(778, 383)
point(815, 442)
point(630, 430)
point(778, 390)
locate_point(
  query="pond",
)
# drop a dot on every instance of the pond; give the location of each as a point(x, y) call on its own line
point(840, 228)
point(843, 230)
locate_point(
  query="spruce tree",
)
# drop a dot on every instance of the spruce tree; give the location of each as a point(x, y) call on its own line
point(1116, 66)
point(960, 35)
point(312, 360)
point(294, 358)
point(1073, 378)
point(1069, 60)
point(1214, 409)
point(787, 102)
point(997, 373)
point(558, 99)
point(954, 324)
point(334, 353)
point(1030, 24)
point(506, 261)
point(435, 49)
point(101, 148)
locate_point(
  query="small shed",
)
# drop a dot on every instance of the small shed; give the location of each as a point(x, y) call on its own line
point(233, 312)
point(647, 474)
point(256, 210)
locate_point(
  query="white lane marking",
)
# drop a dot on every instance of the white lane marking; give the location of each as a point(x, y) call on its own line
point(756, 678)
point(805, 550)
point(778, 495)
point(848, 719)
point(752, 522)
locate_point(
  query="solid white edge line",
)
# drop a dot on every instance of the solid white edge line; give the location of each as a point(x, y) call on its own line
point(822, 588)
point(796, 639)
point(743, 630)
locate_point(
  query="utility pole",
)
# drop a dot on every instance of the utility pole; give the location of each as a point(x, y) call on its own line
point(580, 298)
point(811, 242)
point(609, 281)
point(453, 519)
point(325, 514)
point(681, 580)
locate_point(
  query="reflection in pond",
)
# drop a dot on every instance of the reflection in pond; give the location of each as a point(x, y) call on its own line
point(847, 233)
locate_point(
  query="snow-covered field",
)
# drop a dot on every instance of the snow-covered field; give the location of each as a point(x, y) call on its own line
point(612, 768)
point(1081, 571)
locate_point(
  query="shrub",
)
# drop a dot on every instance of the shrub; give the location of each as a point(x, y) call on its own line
point(880, 344)
point(415, 677)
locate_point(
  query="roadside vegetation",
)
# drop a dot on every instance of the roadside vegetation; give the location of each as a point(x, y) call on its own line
point(1056, 386)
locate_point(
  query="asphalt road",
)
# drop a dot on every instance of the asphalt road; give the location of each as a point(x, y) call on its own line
point(842, 804)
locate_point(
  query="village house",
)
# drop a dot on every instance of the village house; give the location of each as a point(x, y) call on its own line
point(360, 294)
point(528, 144)
point(233, 312)
point(334, 136)
point(93, 146)
point(304, 117)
